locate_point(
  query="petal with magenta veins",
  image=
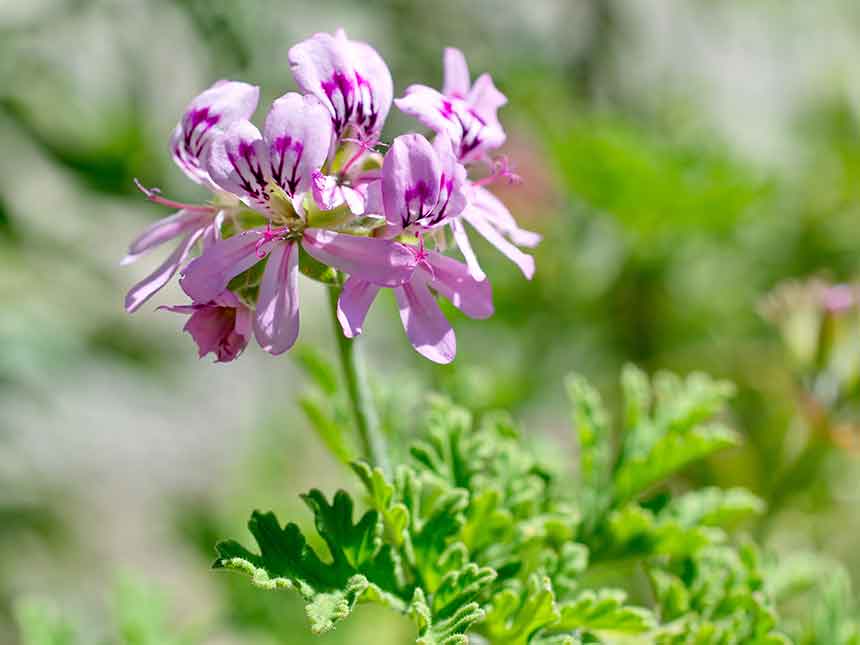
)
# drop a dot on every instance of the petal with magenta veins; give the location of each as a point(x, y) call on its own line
point(353, 305)
point(151, 284)
point(383, 262)
point(453, 200)
point(238, 162)
point(454, 281)
point(163, 230)
point(298, 135)
point(432, 109)
point(321, 67)
point(215, 109)
point(426, 326)
point(456, 73)
point(411, 175)
point(276, 325)
point(208, 275)
point(375, 88)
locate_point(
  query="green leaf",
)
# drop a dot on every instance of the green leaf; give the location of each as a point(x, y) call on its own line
point(517, 613)
point(448, 631)
point(330, 431)
point(319, 369)
point(603, 612)
point(360, 565)
point(672, 452)
point(724, 508)
point(591, 423)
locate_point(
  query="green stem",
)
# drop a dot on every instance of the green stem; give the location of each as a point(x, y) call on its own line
point(360, 397)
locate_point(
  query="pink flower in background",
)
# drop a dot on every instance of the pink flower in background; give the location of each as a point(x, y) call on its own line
point(349, 77)
point(218, 107)
point(221, 326)
point(465, 113)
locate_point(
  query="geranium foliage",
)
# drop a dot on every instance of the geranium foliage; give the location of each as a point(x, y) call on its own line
point(477, 536)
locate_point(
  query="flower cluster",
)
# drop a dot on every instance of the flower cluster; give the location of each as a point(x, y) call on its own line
point(311, 194)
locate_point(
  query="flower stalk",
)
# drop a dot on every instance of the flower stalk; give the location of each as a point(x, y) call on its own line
point(358, 390)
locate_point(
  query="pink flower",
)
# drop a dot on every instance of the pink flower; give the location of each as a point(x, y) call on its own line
point(421, 188)
point(294, 145)
point(218, 107)
point(276, 324)
point(422, 184)
point(348, 77)
point(426, 326)
point(463, 112)
point(221, 326)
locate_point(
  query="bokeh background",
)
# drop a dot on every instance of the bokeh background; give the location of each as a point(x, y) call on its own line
point(682, 159)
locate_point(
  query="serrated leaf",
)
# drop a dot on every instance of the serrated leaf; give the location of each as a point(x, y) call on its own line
point(672, 452)
point(449, 631)
point(516, 614)
point(603, 611)
point(591, 424)
point(360, 564)
point(713, 506)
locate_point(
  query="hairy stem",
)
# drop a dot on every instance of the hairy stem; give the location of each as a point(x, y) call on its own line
point(358, 389)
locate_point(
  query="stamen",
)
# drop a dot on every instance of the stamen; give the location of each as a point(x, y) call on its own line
point(154, 195)
point(267, 236)
point(365, 144)
point(502, 169)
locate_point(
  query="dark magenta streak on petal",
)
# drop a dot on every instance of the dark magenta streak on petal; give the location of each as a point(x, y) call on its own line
point(281, 145)
point(293, 182)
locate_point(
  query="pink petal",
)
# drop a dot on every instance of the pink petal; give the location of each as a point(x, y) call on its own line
point(277, 323)
point(411, 174)
point(349, 77)
point(215, 109)
point(315, 61)
point(426, 327)
point(164, 230)
point(151, 284)
point(353, 305)
point(526, 263)
point(377, 81)
point(298, 135)
point(498, 215)
point(382, 262)
point(462, 240)
point(486, 99)
point(456, 73)
point(454, 282)
point(238, 162)
point(454, 195)
point(431, 108)
point(207, 276)
point(329, 195)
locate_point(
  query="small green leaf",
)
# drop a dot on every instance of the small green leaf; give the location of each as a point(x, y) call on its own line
point(603, 611)
point(516, 614)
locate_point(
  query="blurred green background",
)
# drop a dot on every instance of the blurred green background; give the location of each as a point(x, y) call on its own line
point(681, 159)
